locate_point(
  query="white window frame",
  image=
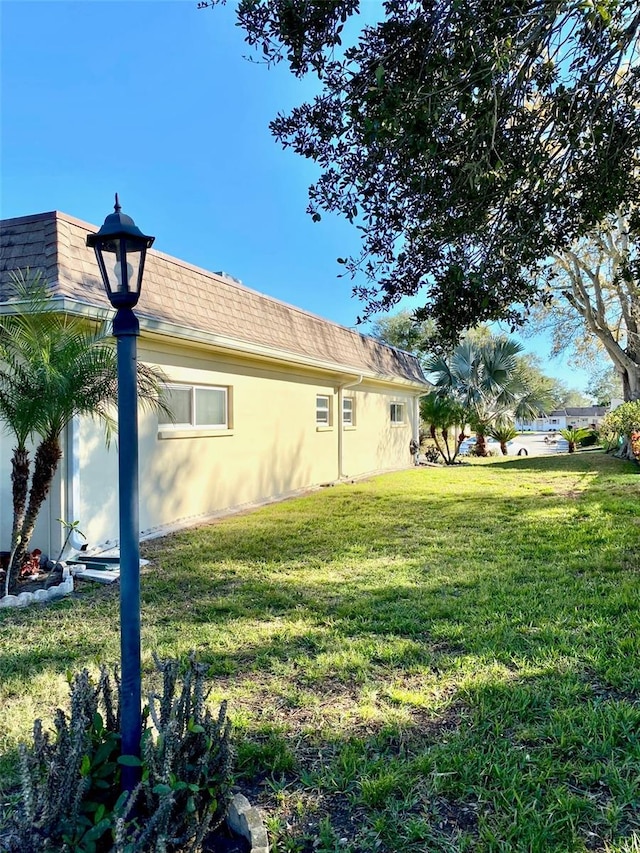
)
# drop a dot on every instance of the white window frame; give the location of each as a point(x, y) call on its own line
point(348, 413)
point(192, 425)
point(321, 422)
point(394, 406)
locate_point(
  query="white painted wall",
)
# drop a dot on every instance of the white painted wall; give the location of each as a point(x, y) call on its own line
point(274, 447)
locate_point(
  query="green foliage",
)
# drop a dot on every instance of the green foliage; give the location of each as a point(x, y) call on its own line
point(441, 413)
point(591, 438)
point(624, 420)
point(70, 797)
point(605, 385)
point(503, 431)
point(403, 331)
point(431, 454)
point(466, 633)
point(467, 141)
point(575, 435)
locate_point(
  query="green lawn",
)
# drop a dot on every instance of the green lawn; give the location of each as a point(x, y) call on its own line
point(444, 659)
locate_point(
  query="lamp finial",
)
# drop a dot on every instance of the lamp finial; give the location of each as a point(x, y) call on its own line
point(117, 207)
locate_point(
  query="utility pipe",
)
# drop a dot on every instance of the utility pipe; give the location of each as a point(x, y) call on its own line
point(351, 384)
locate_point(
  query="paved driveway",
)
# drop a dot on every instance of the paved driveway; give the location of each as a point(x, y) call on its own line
point(534, 442)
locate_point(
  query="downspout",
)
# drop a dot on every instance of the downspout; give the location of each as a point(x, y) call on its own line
point(351, 384)
point(73, 483)
point(416, 422)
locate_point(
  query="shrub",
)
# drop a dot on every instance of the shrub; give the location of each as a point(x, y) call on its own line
point(432, 454)
point(620, 424)
point(590, 439)
point(70, 784)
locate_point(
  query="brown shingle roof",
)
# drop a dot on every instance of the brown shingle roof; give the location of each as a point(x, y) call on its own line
point(180, 294)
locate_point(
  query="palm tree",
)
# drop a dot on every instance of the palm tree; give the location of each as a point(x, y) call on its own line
point(19, 405)
point(573, 435)
point(55, 367)
point(485, 380)
point(503, 431)
point(441, 414)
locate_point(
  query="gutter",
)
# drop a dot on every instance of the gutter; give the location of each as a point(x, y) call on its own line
point(350, 384)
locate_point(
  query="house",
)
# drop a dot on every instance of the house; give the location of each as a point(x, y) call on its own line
point(572, 416)
point(269, 399)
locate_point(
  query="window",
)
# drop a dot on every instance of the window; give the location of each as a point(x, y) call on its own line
point(323, 410)
point(397, 413)
point(199, 406)
point(348, 411)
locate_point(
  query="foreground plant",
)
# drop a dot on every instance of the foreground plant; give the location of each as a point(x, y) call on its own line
point(70, 784)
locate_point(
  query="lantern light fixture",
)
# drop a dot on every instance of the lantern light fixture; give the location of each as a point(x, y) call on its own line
point(121, 249)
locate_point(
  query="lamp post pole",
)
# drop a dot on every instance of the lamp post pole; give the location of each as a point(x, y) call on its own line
point(120, 249)
point(126, 330)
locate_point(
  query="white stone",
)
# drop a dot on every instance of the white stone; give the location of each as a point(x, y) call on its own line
point(9, 601)
point(246, 821)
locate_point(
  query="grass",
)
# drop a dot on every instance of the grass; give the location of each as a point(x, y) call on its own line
point(434, 660)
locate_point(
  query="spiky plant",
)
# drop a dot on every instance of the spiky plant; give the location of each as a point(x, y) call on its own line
point(573, 435)
point(70, 799)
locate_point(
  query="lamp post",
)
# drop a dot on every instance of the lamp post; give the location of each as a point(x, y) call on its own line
point(121, 249)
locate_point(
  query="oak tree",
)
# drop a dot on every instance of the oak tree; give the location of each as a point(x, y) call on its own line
point(466, 140)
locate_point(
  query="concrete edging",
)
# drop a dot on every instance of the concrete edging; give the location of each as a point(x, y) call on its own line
point(24, 599)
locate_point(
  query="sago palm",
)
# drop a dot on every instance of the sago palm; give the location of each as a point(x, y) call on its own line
point(56, 367)
point(573, 435)
point(503, 431)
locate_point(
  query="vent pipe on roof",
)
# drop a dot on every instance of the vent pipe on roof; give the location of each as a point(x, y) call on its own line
point(229, 277)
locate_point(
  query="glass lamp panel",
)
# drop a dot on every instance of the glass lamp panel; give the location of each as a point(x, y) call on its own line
point(134, 250)
point(107, 253)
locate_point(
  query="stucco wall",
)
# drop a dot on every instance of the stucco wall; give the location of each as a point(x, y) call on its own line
point(273, 448)
point(48, 532)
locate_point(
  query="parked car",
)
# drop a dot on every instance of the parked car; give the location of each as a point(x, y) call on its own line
point(514, 447)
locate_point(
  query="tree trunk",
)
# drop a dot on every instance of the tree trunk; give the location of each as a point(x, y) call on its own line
point(631, 383)
point(503, 448)
point(20, 489)
point(434, 435)
point(625, 451)
point(481, 444)
point(45, 464)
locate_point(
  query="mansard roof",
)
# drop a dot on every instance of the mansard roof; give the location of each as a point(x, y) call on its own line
point(194, 303)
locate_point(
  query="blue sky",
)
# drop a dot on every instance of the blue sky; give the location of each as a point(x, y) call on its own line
point(156, 100)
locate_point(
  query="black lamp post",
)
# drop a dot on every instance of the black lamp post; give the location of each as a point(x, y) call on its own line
point(121, 249)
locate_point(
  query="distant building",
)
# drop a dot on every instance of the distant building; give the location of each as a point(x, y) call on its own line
point(572, 416)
